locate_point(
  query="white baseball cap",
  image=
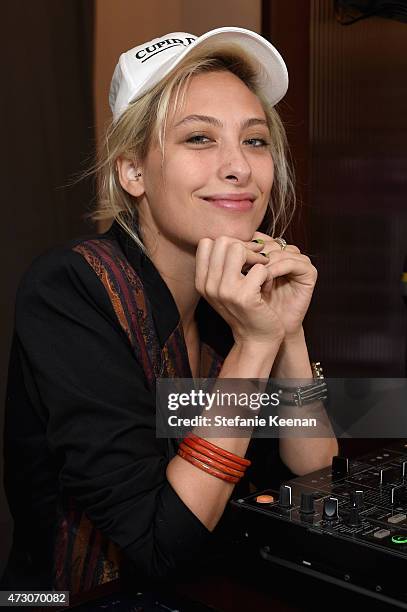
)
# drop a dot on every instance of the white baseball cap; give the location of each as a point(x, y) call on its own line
point(141, 68)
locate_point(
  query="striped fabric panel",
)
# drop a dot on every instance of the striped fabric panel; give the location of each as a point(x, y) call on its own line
point(84, 557)
point(126, 294)
point(175, 363)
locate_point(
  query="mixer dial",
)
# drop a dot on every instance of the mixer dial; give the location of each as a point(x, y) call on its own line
point(285, 496)
point(307, 503)
point(356, 499)
point(340, 466)
point(386, 476)
point(330, 511)
point(353, 519)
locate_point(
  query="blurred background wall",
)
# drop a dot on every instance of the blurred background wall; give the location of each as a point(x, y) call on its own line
point(123, 24)
point(48, 132)
point(358, 182)
point(346, 123)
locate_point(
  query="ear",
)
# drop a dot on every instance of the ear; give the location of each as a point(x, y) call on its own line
point(130, 176)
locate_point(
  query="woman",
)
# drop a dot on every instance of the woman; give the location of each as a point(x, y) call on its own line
point(194, 163)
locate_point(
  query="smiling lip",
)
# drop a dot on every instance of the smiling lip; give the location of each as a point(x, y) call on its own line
point(232, 201)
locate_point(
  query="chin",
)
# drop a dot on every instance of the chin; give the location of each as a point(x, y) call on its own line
point(234, 230)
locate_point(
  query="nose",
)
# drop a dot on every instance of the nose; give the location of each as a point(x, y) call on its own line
point(233, 164)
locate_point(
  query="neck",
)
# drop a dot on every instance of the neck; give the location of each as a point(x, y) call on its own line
point(177, 268)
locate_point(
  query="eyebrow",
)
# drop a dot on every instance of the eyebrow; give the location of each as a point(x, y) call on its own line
point(216, 123)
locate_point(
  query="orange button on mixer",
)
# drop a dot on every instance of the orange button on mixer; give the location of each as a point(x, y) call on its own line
point(264, 499)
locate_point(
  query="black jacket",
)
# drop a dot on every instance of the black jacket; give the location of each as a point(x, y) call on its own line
point(80, 420)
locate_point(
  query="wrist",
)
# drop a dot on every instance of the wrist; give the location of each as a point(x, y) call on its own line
point(260, 347)
point(250, 359)
point(295, 338)
point(292, 360)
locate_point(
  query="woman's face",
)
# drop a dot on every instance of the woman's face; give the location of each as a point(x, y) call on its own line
point(217, 172)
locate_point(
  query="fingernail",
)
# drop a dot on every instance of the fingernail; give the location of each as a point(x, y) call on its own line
point(258, 240)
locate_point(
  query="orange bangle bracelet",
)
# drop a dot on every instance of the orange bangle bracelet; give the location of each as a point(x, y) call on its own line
point(217, 449)
point(215, 456)
point(209, 461)
point(207, 468)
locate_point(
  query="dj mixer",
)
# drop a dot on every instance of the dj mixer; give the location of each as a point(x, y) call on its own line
point(346, 524)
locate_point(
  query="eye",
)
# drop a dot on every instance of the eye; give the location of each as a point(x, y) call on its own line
point(257, 142)
point(198, 139)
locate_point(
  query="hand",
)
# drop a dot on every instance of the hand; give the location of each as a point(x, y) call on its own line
point(237, 298)
point(290, 284)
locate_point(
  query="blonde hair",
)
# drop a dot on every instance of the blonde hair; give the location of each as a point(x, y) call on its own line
point(145, 120)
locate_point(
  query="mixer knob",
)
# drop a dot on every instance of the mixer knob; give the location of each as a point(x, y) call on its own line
point(353, 519)
point(330, 511)
point(307, 503)
point(285, 496)
point(386, 476)
point(340, 466)
point(398, 495)
point(356, 499)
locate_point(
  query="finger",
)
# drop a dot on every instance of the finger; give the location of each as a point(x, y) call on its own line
point(274, 247)
point(237, 263)
point(202, 258)
point(272, 256)
point(290, 248)
point(267, 287)
point(254, 246)
point(217, 261)
point(298, 268)
point(271, 244)
point(254, 279)
point(275, 256)
point(240, 255)
point(253, 258)
point(236, 257)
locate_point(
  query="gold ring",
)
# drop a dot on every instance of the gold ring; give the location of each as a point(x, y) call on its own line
point(281, 242)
